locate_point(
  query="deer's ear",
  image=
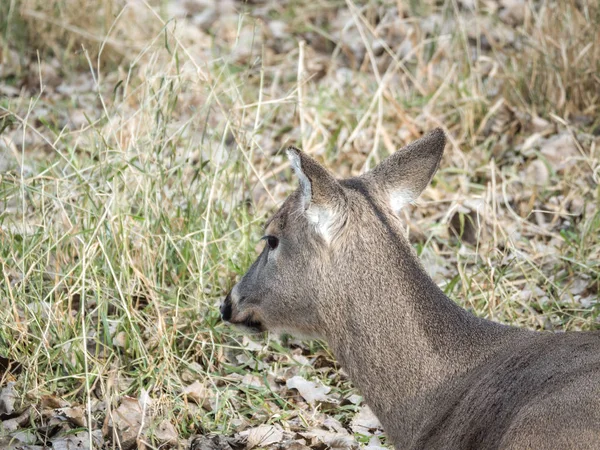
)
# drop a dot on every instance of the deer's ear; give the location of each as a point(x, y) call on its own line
point(322, 197)
point(405, 174)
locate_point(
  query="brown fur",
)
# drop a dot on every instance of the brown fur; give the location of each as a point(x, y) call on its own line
point(436, 376)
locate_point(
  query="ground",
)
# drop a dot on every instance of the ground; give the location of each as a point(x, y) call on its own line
point(142, 148)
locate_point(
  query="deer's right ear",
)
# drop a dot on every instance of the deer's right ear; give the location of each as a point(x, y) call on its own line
point(405, 174)
point(323, 198)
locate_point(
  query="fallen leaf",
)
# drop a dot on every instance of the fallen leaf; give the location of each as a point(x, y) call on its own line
point(8, 396)
point(71, 442)
point(145, 400)
point(197, 393)
point(252, 380)
point(537, 174)
point(217, 442)
point(263, 436)
point(126, 421)
point(252, 363)
point(311, 391)
point(330, 439)
point(251, 345)
point(560, 151)
point(166, 433)
point(577, 206)
point(364, 422)
point(334, 425)
point(374, 444)
point(578, 286)
point(78, 441)
point(355, 399)
point(513, 11)
point(301, 359)
point(41, 309)
point(120, 339)
point(25, 436)
point(15, 423)
point(299, 444)
point(53, 402)
point(75, 415)
point(9, 443)
point(192, 372)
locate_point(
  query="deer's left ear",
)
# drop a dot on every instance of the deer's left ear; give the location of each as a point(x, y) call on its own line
point(405, 174)
point(323, 198)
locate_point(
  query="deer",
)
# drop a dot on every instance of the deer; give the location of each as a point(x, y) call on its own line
point(337, 266)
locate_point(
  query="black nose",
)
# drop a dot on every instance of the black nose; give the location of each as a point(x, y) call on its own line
point(226, 308)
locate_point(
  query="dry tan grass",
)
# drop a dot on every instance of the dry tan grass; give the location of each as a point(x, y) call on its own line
point(110, 31)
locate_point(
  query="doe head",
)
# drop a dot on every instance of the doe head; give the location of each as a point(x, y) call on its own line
point(330, 239)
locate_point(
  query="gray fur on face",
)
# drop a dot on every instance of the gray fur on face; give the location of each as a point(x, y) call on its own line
point(435, 375)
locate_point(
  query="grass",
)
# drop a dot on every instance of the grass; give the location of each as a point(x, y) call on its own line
point(140, 155)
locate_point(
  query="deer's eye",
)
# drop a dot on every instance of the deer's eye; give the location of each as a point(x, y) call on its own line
point(272, 242)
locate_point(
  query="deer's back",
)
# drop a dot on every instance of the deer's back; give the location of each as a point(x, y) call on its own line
point(543, 392)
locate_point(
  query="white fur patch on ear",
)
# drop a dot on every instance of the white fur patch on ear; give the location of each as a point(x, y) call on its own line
point(399, 199)
point(323, 219)
point(303, 179)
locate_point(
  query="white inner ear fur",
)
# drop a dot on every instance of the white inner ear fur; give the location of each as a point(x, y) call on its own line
point(304, 181)
point(399, 199)
point(322, 218)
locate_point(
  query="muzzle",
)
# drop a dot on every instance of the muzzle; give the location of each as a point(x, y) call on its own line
point(226, 308)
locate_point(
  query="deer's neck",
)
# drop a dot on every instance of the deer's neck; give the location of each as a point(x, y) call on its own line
point(400, 339)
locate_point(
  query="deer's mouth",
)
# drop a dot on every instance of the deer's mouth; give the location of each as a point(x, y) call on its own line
point(229, 313)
